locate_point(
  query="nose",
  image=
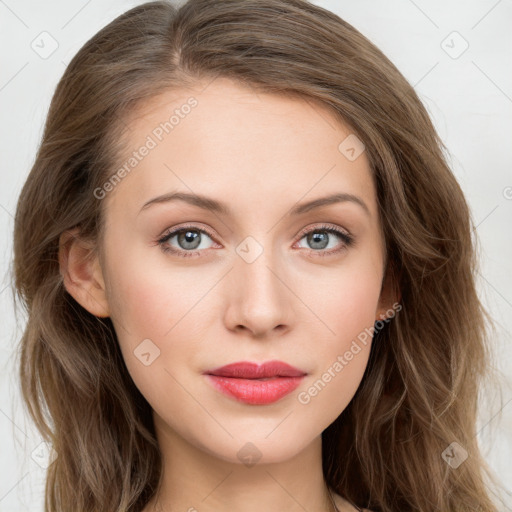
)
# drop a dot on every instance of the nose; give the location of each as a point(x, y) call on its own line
point(259, 297)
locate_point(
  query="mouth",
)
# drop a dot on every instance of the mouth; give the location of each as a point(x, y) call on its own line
point(248, 370)
point(256, 384)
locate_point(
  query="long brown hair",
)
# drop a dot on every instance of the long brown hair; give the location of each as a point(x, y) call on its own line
point(419, 393)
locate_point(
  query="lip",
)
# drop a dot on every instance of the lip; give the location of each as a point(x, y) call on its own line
point(244, 382)
point(248, 370)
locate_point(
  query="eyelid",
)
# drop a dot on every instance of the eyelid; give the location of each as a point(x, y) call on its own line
point(323, 225)
point(173, 231)
point(182, 227)
point(347, 238)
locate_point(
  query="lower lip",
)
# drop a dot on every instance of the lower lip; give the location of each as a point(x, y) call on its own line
point(254, 391)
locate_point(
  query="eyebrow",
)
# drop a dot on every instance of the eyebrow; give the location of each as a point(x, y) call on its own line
point(207, 203)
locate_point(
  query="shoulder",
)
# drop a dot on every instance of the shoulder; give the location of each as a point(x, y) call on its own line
point(344, 506)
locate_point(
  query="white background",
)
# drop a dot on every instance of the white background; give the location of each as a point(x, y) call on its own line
point(468, 97)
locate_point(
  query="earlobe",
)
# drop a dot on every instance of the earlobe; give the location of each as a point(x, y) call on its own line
point(81, 273)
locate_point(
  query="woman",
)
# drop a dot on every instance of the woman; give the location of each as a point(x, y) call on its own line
point(249, 274)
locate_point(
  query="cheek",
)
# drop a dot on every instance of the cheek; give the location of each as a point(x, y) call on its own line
point(147, 298)
point(148, 308)
point(347, 312)
point(345, 304)
point(156, 302)
point(344, 301)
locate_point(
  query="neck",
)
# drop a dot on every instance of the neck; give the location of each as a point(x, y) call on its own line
point(193, 480)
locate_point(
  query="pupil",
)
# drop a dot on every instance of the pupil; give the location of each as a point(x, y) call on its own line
point(318, 237)
point(190, 239)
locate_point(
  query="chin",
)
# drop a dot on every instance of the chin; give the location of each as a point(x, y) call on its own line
point(258, 449)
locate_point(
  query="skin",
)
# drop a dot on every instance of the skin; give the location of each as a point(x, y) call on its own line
point(261, 154)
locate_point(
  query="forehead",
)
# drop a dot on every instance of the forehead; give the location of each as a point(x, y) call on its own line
point(224, 138)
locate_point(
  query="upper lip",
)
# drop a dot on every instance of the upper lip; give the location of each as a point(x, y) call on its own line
point(248, 370)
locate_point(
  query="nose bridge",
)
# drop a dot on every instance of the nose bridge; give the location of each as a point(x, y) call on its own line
point(260, 301)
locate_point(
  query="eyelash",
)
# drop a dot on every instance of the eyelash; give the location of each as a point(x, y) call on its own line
point(348, 240)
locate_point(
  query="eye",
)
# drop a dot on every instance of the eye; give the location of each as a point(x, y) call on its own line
point(320, 238)
point(188, 238)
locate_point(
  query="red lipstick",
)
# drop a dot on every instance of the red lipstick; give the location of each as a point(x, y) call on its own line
point(256, 384)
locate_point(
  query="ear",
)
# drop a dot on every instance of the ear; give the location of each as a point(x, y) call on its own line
point(81, 272)
point(389, 294)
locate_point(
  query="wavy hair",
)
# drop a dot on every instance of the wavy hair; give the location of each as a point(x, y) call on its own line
point(420, 389)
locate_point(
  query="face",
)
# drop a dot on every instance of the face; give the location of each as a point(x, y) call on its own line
point(191, 287)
